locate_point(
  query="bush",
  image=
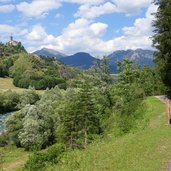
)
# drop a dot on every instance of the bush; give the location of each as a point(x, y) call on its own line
point(3, 140)
point(28, 97)
point(39, 83)
point(8, 101)
point(39, 160)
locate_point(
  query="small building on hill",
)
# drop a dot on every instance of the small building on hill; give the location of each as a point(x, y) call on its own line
point(13, 42)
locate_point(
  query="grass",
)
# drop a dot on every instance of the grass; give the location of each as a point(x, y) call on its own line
point(144, 150)
point(7, 84)
point(12, 158)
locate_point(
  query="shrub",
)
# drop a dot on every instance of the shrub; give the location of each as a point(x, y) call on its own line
point(8, 101)
point(3, 140)
point(40, 159)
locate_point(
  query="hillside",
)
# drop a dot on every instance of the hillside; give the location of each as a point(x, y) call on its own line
point(145, 149)
point(6, 50)
point(33, 70)
point(7, 84)
point(148, 148)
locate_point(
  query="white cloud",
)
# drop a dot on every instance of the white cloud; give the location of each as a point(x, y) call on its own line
point(90, 2)
point(4, 28)
point(37, 34)
point(90, 12)
point(131, 6)
point(7, 8)
point(38, 8)
point(98, 28)
point(17, 30)
point(142, 26)
point(85, 35)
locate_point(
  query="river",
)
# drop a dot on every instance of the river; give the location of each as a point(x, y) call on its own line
point(3, 117)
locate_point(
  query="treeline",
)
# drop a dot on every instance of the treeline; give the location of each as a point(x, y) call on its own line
point(33, 71)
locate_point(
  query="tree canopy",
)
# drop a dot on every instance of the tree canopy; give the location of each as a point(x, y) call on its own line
point(162, 41)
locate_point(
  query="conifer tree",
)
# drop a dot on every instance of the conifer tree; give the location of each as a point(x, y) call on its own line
point(80, 119)
point(162, 41)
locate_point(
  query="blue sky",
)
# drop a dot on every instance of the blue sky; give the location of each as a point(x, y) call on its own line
point(69, 26)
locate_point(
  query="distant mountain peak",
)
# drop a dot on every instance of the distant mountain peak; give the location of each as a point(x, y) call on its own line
point(50, 53)
point(141, 56)
point(80, 60)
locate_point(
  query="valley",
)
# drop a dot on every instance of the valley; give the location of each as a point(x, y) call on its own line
point(85, 85)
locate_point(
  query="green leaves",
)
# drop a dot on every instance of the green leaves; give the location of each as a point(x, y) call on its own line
point(162, 41)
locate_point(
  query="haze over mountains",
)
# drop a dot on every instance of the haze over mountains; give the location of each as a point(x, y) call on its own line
point(84, 60)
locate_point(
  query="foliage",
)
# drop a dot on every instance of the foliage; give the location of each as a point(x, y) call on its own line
point(162, 41)
point(39, 160)
point(151, 82)
point(37, 127)
point(133, 151)
point(3, 139)
point(4, 67)
point(14, 125)
point(8, 101)
point(32, 70)
point(28, 97)
point(80, 121)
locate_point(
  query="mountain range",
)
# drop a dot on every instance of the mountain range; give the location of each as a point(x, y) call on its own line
point(84, 60)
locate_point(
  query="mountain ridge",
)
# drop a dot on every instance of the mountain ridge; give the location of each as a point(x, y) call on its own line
point(49, 53)
point(83, 60)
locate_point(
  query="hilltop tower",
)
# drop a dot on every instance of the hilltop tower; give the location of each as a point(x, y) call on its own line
point(12, 42)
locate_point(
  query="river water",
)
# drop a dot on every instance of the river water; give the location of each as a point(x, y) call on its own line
point(3, 117)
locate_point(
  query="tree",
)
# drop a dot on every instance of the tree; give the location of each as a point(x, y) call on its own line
point(151, 82)
point(37, 127)
point(128, 71)
point(103, 69)
point(87, 115)
point(162, 41)
point(79, 119)
point(28, 97)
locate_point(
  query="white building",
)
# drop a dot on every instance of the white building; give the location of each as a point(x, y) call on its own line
point(12, 42)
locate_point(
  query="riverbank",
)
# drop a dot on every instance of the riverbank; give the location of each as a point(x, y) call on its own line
point(3, 117)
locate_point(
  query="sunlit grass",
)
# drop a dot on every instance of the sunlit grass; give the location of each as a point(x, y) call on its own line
point(7, 84)
point(12, 158)
point(145, 150)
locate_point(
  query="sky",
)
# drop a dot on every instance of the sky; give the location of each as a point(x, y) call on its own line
point(98, 27)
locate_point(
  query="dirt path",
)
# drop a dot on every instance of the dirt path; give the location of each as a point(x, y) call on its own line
point(161, 98)
point(15, 164)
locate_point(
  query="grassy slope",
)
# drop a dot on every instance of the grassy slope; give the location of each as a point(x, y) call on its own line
point(12, 158)
point(7, 84)
point(145, 150)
